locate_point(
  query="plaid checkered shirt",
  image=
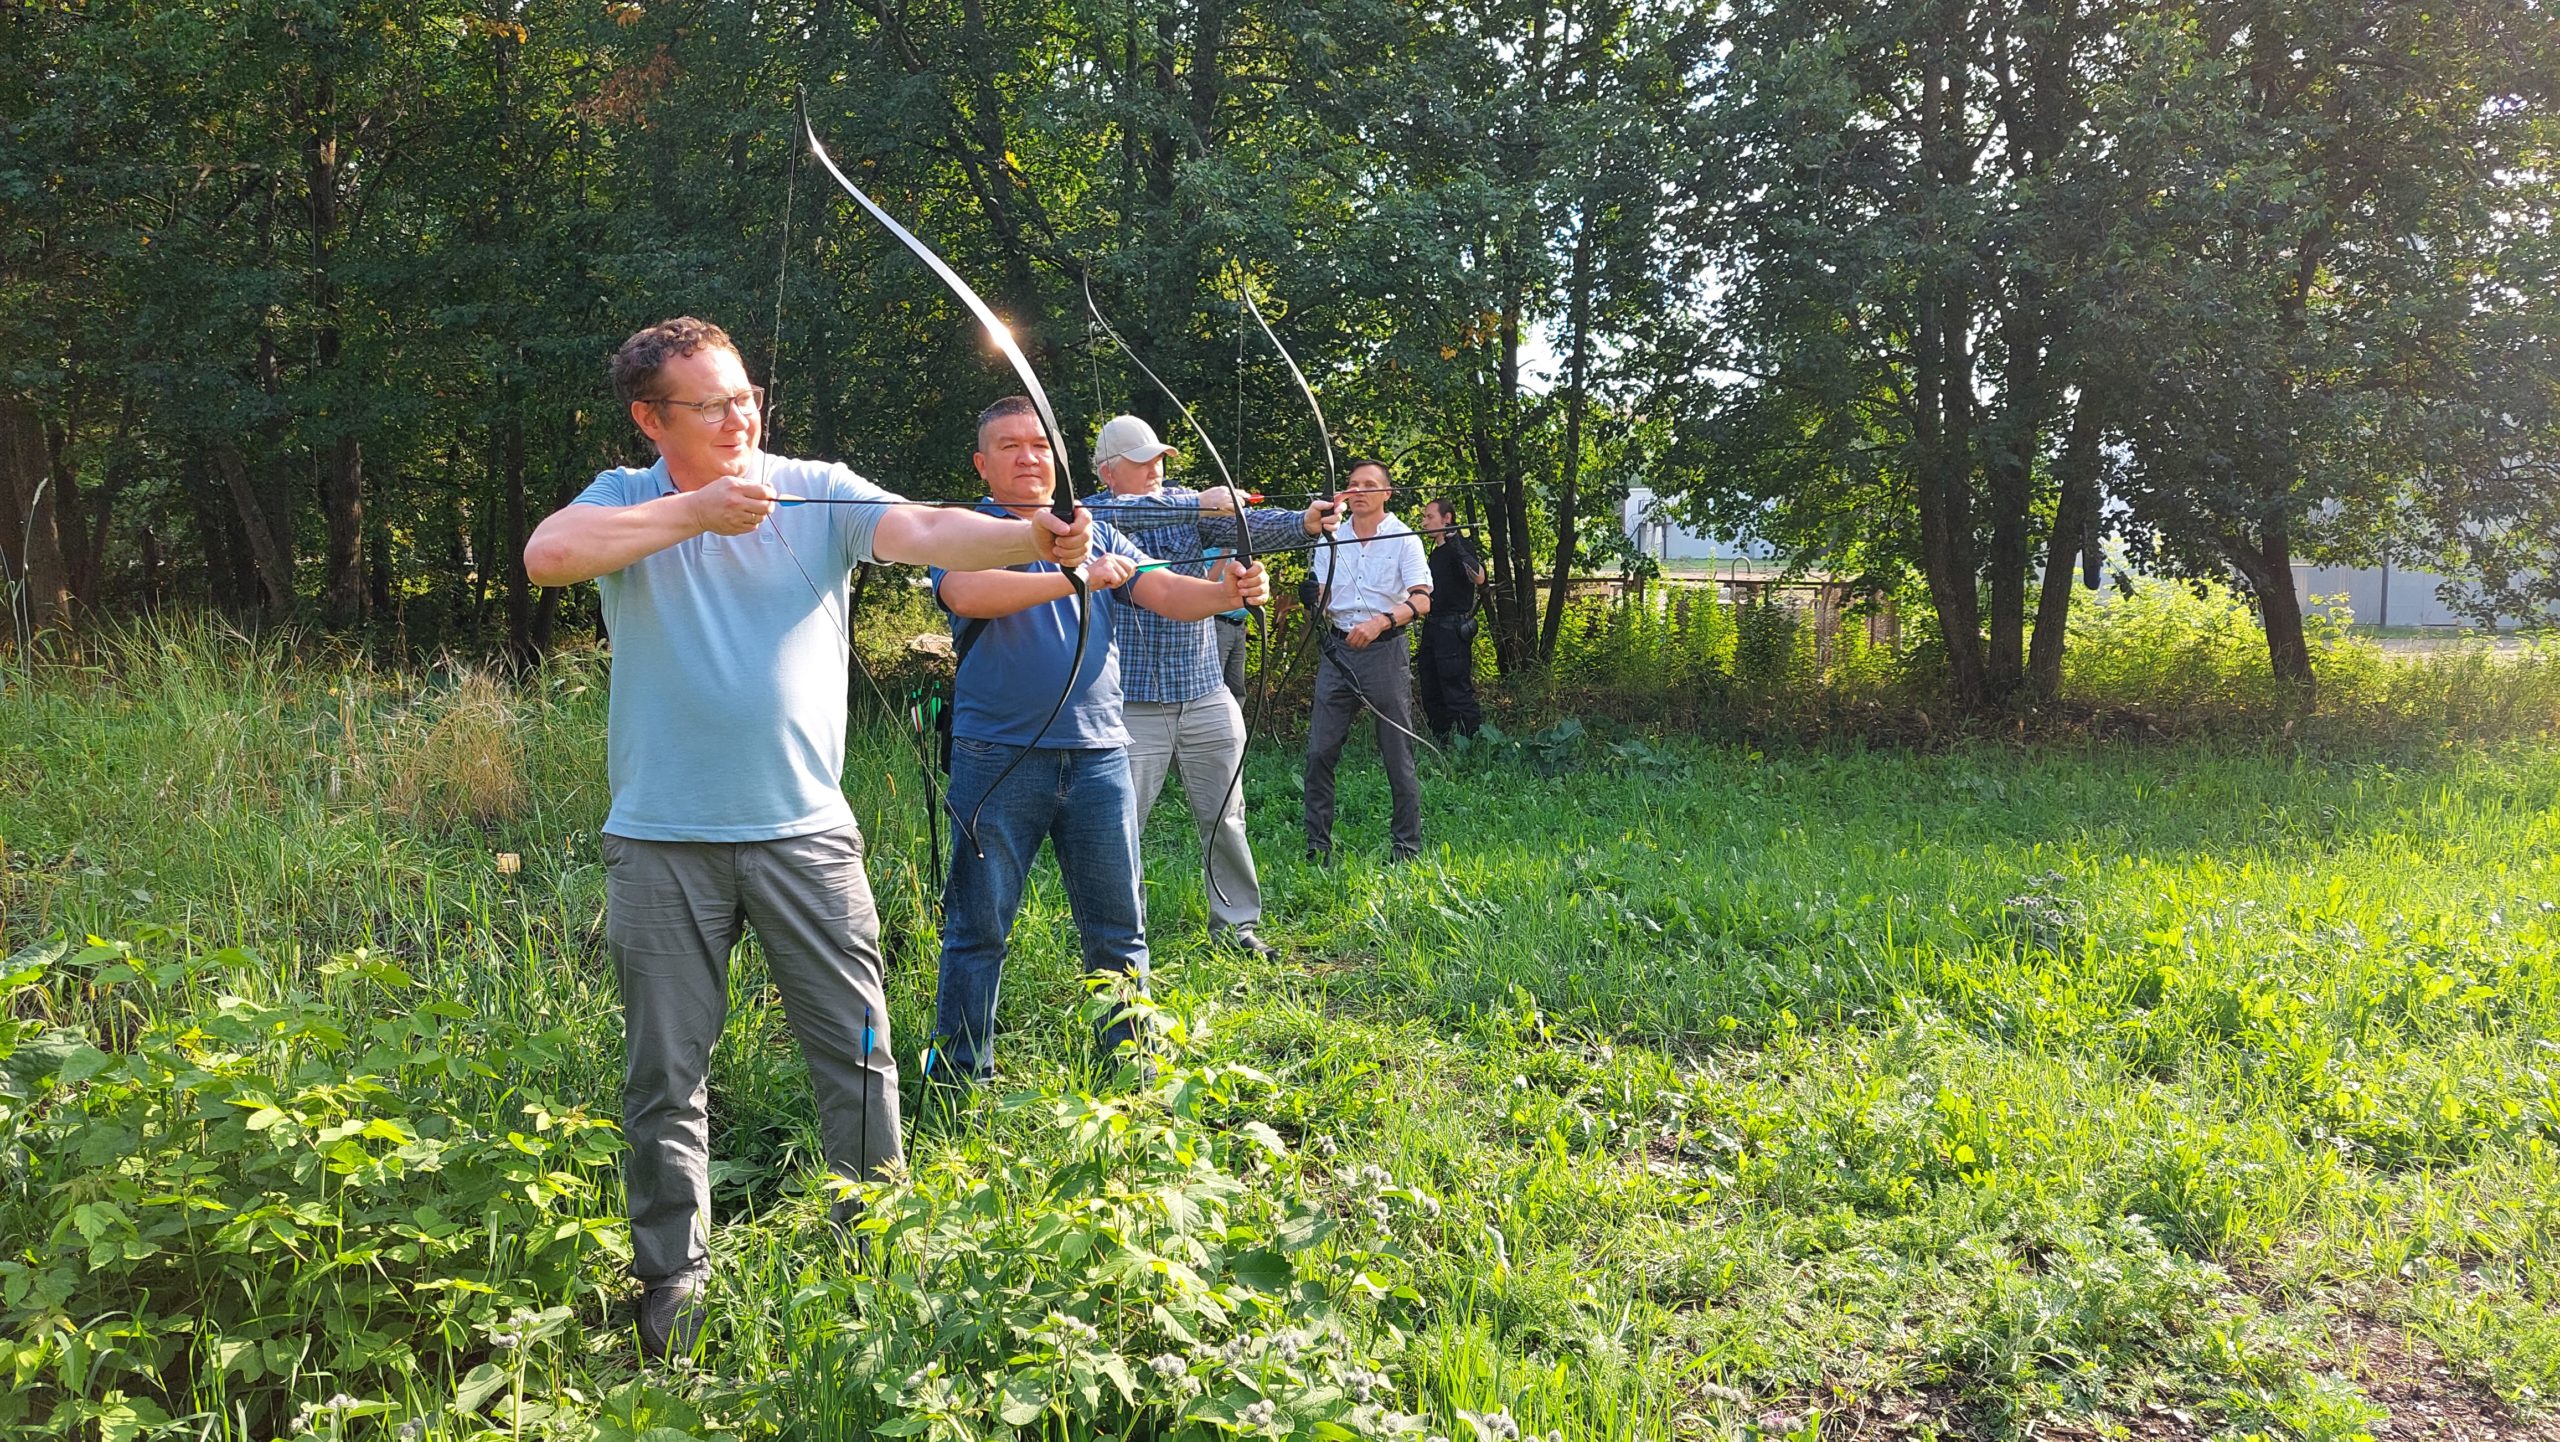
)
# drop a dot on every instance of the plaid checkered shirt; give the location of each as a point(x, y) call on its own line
point(1161, 659)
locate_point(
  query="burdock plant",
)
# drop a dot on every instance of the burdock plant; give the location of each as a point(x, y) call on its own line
point(1118, 1274)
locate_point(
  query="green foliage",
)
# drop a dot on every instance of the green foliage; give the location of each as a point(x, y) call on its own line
point(208, 1163)
point(1772, 652)
point(1136, 1263)
point(1675, 638)
point(2170, 647)
point(2218, 253)
point(1678, 656)
point(1678, 1090)
point(2290, 348)
point(2191, 656)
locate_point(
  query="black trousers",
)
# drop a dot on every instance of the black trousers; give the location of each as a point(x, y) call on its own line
point(1231, 641)
point(1447, 668)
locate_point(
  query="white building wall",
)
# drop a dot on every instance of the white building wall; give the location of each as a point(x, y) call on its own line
point(1664, 540)
point(2386, 595)
point(2380, 595)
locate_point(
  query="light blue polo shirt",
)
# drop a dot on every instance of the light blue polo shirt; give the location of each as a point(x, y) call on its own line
point(727, 716)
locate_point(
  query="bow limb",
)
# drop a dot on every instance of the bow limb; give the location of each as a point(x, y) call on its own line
point(1324, 437)
point(1062, 501)
point(1324, 442)
point(1318, 626)
point(843, 628)
point(1244, 556)
point(1094, 308)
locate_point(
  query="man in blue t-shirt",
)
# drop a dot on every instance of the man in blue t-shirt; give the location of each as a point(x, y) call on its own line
point(725, 753)
point(1014, 783)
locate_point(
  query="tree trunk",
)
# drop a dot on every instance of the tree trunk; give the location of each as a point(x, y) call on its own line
point(488, 536)
point(269, 550)
point(30, 535)
point(2010, 493)
point(511, 502)
point(1494, 596)
point(1516, 559)
point(1944, 493)
point(381, 586)
point(151, 569)
point(70, 511)
point(230, 584)
point(342, 504)
point(2267, 565)
point(2075, 531)
point(1576, 401)
point(89, 575)
point(342, 591)
point(1943, 450)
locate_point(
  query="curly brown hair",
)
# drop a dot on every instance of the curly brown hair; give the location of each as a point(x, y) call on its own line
point(636, 365)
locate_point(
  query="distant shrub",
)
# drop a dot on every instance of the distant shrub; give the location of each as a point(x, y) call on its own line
point(1667, 639)
point(2472, 689)
point(1681, 655)
point(1772, 652)
point(453, 758)
point(2194, 657)
point(2168, 647)
point(1859, 667)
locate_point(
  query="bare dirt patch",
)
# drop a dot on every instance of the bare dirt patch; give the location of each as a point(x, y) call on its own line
point(2429, 1399)
point(1943, 1413)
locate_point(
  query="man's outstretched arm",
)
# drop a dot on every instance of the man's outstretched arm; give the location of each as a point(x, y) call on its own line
point(581, 542)
point(970, 541)
point(1197, 598)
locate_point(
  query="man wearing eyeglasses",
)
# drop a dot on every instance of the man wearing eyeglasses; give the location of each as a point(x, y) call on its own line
point(725, 755)
point(1375, 586)
point(1018, 782)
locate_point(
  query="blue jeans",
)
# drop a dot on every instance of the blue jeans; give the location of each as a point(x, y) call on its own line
point(1083, 804)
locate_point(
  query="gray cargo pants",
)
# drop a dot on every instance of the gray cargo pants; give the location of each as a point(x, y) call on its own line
point(1203, 740)
point(1378, 677)
point(673, 912)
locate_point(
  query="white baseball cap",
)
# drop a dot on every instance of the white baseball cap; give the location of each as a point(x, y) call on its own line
point(1129, 438)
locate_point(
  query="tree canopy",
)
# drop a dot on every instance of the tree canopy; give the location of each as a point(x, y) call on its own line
point(306, 306)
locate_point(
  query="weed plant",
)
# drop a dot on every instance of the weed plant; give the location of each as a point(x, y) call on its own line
point(1679, 1090)
point(2165, 659)
point(2192, 659)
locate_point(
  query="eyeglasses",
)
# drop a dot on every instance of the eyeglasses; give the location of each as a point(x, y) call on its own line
point(712, 412)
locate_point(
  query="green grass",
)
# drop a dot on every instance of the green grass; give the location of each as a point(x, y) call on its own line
point(1677, 1091)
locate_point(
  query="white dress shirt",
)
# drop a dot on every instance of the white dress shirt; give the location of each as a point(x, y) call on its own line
point(1372, 577)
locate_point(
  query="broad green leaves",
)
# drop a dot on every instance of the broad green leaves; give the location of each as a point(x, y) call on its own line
point(182, 1207)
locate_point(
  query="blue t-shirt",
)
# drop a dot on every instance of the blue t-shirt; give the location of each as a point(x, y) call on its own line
point(1018, 663)
point(727, 716)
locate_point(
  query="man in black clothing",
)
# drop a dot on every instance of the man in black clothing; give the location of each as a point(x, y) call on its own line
point(1448, 653)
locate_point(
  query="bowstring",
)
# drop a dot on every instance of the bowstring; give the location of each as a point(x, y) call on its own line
point(844, 625)
point(1319, 627)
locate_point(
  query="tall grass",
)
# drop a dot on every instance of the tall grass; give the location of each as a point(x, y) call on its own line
point(1679, 1090)
point(1682, 658)
point(2194, 658)
point(2169, 658)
